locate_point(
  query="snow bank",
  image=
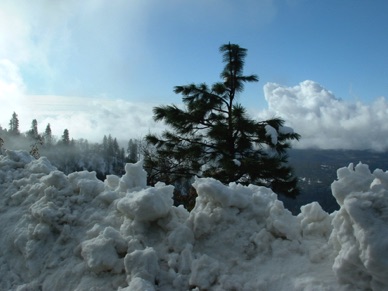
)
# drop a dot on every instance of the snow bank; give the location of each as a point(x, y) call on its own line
point(74, 232)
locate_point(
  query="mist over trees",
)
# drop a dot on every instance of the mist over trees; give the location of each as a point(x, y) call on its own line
point(67, 154)
point(214, 137)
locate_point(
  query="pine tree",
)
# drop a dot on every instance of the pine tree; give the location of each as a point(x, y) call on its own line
point(14, 125)
point(33, 132)
point(65, 137)
point(110, 150)
point(36, 139)
point(122, 156)
point(115, 148)
point(214, 137)
point(48, 137)
point(105, 144)
point(132, 151)
point(1, 145)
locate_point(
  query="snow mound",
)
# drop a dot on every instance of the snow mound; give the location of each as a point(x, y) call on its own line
point(74, 232)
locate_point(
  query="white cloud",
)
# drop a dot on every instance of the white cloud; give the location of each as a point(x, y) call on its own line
point(94, 47)
point(11, 90)
point(10, 80)
point(29, 32)
point(86, 117)
point(325, 121)
point(71, 46)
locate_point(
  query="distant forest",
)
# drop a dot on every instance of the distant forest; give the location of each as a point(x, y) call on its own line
point(67, 154)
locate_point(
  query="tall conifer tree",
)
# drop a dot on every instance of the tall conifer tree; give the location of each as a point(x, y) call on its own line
point(14, 124)
point(33, 132)
point(48, 137)
point(132, 150)
point(214, 137)
point(66, 137)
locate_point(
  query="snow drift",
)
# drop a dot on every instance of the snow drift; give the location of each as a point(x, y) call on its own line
point(74, 232)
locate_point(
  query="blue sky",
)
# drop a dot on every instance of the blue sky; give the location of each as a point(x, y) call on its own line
point(137, 51)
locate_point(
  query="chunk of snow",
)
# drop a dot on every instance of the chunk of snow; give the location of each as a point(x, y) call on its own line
point(135, 177)
point(237, 162)
point(148, 204)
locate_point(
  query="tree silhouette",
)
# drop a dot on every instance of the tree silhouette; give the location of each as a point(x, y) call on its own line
point(33, 132)
point(48, 137)
point(66, 137)
point(214, 137)
point(132, 151)
point(14, 125)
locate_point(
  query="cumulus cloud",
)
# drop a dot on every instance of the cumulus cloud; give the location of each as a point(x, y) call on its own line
point(325, 121)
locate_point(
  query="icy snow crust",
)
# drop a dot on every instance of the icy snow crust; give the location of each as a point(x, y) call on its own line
point(74, 232)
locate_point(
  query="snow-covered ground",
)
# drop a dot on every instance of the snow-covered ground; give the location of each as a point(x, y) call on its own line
point(74, 232)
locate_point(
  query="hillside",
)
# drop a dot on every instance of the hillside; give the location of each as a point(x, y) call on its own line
point(317, 169)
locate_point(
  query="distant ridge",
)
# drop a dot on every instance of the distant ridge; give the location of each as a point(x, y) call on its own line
point(317, 169)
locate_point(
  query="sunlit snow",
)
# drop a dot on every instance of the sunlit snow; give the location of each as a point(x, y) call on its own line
point(74, 232)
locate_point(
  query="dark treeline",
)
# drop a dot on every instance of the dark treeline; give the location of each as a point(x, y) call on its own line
point(67, 154)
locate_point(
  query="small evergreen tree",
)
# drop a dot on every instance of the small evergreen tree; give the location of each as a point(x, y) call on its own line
point(110, 149)
point(105, 144)
point(115, 148)
point(214, 137)
point(34, 151)
point(122, 156)
point(33, 132)
point(48, 137)
point(66, 137)
point(36, 139)
point(132, 151)
point(1, 145)
point(14, 125)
